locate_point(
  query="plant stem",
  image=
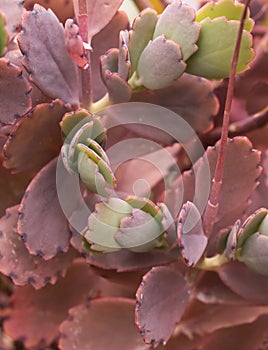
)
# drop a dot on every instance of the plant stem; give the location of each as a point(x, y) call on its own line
point(85, 74)
point(213, 262)
point(213, 203)
point(101, 104)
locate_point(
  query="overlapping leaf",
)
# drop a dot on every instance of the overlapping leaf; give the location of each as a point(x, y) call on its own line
point(99, 13)
point(45, 56)
point(190, 97)
point(36, 315)
point(19, 265)
point(36, 139)
point(12, 10)
point(41, 220)
point(3, 35)
point(14, 102)
point(106, 323)
point(161, 301)
point(216, 47)
point(63, 9)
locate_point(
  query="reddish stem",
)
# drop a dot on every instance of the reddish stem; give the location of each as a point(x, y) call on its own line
point(85, 74)
point(213, 203)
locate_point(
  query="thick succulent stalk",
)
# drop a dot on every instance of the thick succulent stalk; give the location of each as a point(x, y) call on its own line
point(213, 203)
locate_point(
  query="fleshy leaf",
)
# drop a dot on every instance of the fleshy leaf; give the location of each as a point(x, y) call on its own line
point(3, 35)
point(160, 64)
point(190, 97)
point(228, 8)
point(119, 91)
point(191, 238)
point(14, 102)
point(19, 265)
point(36, 138)
point(63, 9)
point(12, 10)
point(106, 39)
point(251, 225)
point(99, 14)
point(245, 282)
point(161, 301)
point(41, 220)
point(177, 24)
point(48, 306)
point(111, 327)
point(123, 57)
point(215, 49)
point(45, 55)
point(142, 32)
point(255, 253)
point(12, 188)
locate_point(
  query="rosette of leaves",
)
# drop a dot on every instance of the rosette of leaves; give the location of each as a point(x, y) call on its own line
point(135, 223)
point(82, 152)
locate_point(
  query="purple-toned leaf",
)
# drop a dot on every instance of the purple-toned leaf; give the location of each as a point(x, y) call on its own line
point(191, 238)
point(19, 265)
point(202, 319)
point(234, 338)
point(12, 10)
point(119, 91)
point(14, 91)
point(41, 220)
point(245, 282)
point(123, 57)
point(45, 55)
point(161, 301)
point(106, 39)
point(192, 98)
point(99, 12)
point(36, 138)
point(124, 260)
point(106, 323)
point(211, 290)
point(12, 188)
point(36, 314)
point(63, 9)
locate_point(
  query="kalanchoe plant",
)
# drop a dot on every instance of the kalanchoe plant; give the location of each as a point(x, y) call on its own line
point(134, 175)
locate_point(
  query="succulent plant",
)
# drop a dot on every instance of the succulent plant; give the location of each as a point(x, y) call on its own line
point(133, 175)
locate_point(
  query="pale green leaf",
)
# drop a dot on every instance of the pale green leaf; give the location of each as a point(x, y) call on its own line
point(177, 24)
point(216, 47)
point(227, 8)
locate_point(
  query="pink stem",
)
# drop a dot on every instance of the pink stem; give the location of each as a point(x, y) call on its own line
point(213, 203)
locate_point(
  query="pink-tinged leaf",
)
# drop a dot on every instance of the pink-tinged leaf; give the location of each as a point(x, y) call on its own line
point(161, 301)
point(235, 338)
point(41, 220)
point(106, 323)
point(63, 9)
point(106, 39)
point(14, 92)
point(123, 260)
point(74, 44)
point(19, 265)
point(119, 91)
point(36, 138)
point(191, 238)
point(45, 55)
point(12, 188)
point(201, 319)
point(232, 338)
point(12, 10)
point(211, 290)
point(245, 282)
point(36, 314)
point(192, 98)
point(99, 13)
